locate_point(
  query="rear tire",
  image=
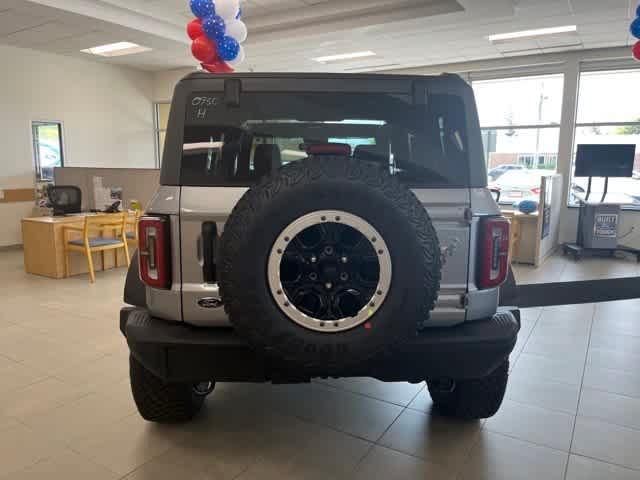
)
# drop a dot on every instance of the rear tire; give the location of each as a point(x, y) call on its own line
point(471, 399)
point(162, 402)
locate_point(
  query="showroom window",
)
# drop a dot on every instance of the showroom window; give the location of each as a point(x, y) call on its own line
point(609, 114)
point(520, 121)
point(48, 152)
point(161, 118)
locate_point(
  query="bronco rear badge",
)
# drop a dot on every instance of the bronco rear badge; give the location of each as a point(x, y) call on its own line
point(210, 302)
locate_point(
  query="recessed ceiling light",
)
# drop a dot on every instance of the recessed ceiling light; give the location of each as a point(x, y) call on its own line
point(344, 56)
point(502, 37)
point(116, 49)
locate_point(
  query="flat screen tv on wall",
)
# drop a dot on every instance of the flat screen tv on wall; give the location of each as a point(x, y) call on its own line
point(605, 160)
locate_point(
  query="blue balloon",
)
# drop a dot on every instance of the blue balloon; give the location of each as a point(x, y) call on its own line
point(214, 27)
point(528, 206)
point(228, 48)
point(635, 28)
point(203, 8)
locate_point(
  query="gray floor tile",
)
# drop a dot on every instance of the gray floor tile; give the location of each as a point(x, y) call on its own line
point(617, 322)
point(543, 393)
point(40, 397)
point(539, 367)
point(614, 381)
point(400, 393)
point(610, 407)
point(126, 444)
point(533, 424)
point(556, 346)
point(582, 468)
point(67, 465)
point(21, 447)
point(422, 402)
point(79, 418)
point(497, 457)
point(345, 411)
point(607, 442)
point(618, 343)
point(616, 360)
point(384, 464)
point(431, 437)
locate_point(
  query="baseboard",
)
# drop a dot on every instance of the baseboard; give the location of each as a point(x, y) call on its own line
point(11, 248)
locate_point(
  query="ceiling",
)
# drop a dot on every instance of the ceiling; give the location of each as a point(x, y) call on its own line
point(284, 35)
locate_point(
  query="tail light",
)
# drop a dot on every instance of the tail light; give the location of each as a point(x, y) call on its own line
point(154, 251)
point(494, 252)
point(535, 190)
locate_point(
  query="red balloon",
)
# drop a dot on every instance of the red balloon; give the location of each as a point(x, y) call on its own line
point(636, 51)
point(194, 29)
point(217, 66)
point(204, 49)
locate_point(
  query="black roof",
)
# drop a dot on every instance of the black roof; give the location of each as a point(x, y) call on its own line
point(313, 75)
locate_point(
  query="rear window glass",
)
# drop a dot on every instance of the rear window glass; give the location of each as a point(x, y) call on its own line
point(235, 145)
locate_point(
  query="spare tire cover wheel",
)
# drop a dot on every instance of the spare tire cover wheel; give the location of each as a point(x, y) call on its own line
point(329, 263)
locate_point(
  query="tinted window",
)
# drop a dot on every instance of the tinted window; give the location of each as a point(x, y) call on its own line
point(231, 145)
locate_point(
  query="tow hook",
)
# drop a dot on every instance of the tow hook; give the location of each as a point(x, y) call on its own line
point(202, 389)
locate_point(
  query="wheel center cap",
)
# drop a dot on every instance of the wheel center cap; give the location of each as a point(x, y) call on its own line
point(330, 272)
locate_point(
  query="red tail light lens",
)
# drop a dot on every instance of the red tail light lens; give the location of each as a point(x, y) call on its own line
point(494, 252)
point(536, 190)
point(154, 251)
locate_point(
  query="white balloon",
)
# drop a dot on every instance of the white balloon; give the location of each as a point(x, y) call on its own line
point(227, 9)
point(237, 29)
point(239, 59)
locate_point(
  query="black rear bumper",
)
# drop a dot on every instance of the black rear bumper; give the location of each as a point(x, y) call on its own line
point(182, 353)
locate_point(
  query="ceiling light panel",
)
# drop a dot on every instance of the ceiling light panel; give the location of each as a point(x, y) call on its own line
point(344, 56)
point(116, 49)
point(539, 32)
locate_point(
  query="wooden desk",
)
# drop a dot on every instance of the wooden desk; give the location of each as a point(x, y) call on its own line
point(524, 241)
point(44, 247)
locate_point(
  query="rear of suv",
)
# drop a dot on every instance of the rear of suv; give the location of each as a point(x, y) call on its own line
point(317, 225)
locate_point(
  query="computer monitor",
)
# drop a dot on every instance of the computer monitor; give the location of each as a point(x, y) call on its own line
point(64, 199)
point(605, 160)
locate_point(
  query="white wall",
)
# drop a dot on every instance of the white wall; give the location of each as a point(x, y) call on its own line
point(107, 112)
point(165, 82)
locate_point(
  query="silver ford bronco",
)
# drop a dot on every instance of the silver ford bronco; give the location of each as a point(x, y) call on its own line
point(321, 225)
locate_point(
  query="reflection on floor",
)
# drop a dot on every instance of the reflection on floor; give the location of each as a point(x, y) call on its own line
point(573, 406)
point(559, 268)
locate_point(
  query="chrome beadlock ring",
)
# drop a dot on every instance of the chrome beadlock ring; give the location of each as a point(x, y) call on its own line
point(324, 218)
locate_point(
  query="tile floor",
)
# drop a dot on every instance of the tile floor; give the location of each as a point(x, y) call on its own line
point(559, 268)
point(572, 409)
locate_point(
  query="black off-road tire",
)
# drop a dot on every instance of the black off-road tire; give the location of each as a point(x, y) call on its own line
point(328, 183)
point(472, 399)
point(162, 402)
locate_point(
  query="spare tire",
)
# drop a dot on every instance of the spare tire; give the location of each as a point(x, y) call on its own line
point(328, 263)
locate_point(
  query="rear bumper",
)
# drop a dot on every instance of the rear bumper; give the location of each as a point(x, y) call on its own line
point(181, 353)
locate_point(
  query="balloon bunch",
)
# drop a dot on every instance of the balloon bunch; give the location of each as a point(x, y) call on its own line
point(217, 34)
point(635, 31)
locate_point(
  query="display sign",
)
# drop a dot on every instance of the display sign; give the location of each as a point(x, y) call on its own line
point(605, 226)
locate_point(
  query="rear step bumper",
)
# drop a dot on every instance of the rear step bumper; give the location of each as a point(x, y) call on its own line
point(180, 353)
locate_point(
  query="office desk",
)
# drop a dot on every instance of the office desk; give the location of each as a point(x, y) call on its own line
point(524, 241)
point(44, 247)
